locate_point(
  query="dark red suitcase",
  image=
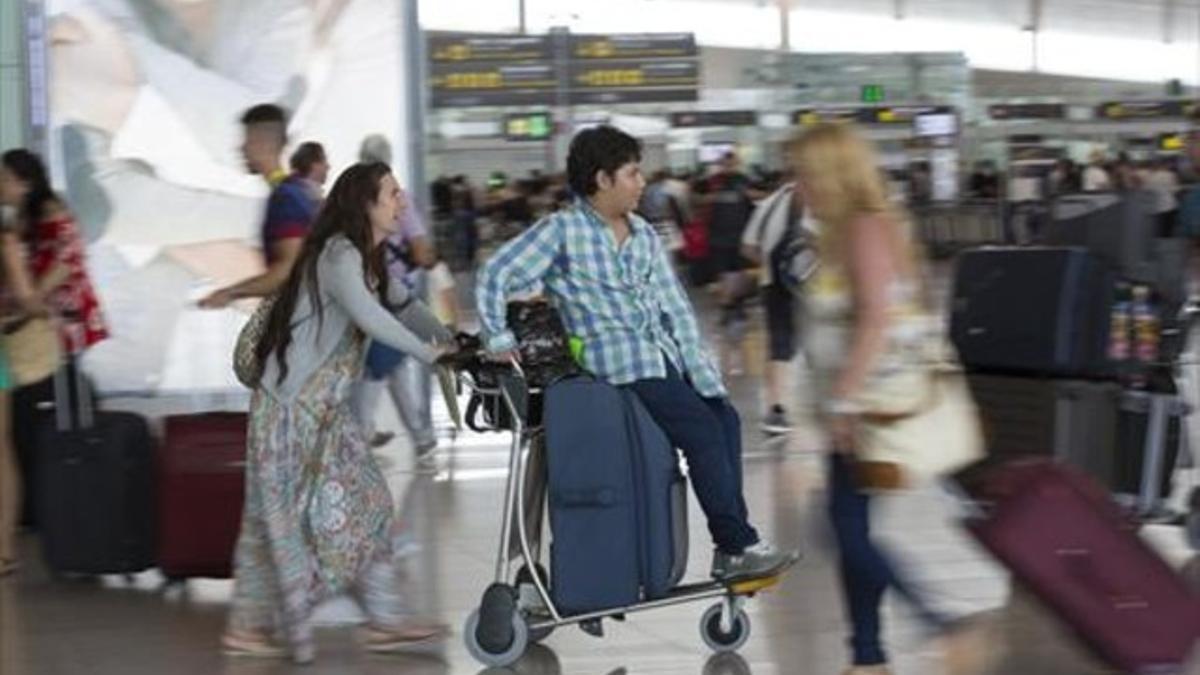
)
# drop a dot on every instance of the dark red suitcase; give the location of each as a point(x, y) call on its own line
point(202, 483)
point(1063, 538)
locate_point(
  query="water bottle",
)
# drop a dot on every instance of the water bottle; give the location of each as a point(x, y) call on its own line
point(1119, 326)
point(1145, 334)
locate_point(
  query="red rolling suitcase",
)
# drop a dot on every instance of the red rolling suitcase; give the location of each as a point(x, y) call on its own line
point(202, 482)
point(1064, 539)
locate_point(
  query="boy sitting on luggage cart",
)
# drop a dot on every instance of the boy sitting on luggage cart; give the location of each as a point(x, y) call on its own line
point(605, 270)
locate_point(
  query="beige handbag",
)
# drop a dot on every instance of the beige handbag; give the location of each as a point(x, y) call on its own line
point(34, 350)
point(940, 437)
point(246, 365)
point(919, 420)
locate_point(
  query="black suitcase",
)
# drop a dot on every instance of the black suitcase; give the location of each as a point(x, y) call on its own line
point(1041, 311)
point(32, 409)
point(95, 488)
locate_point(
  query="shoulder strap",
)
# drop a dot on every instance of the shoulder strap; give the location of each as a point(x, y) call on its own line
point(780, 196)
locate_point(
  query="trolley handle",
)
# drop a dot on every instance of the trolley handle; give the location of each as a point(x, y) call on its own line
point(512, 389)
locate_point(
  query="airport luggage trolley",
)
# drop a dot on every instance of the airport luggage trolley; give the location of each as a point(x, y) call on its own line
point(517, 609)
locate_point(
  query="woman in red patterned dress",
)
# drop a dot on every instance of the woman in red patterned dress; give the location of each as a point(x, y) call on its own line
point(54, 249)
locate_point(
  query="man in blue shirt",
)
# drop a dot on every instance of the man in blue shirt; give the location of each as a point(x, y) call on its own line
point(607, 273)
point(291, 206)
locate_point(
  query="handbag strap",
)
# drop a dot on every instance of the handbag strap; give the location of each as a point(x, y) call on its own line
point(932, 397)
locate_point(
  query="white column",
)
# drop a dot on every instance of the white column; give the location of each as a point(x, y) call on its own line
point(412, 115)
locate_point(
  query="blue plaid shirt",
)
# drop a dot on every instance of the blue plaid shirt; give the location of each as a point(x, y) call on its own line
point(625, 304)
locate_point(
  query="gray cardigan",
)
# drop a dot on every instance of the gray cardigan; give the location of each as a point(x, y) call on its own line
point(346, 299)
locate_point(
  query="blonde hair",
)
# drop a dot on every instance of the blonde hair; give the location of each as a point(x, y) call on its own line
point(843, 181)
point(841, 173)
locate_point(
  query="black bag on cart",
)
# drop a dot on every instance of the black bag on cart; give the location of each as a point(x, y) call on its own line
point(545, 357)
point(95, 486)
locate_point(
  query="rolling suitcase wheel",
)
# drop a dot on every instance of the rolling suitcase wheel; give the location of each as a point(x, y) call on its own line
point(721, 638)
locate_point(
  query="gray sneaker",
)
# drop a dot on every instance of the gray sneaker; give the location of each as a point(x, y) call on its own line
point(776, 422)
point(756, 562)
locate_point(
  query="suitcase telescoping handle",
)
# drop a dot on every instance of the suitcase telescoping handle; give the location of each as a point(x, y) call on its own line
point(81, 404)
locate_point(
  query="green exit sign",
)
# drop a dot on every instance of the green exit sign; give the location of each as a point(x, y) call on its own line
point(872, 93)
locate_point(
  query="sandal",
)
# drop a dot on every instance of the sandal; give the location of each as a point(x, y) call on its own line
point(411, 635)
point(235, 644)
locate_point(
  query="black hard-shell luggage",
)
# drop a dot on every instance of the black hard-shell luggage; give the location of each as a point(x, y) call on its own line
point(95, 487)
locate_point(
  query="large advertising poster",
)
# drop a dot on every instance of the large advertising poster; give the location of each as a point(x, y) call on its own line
point(145, 97)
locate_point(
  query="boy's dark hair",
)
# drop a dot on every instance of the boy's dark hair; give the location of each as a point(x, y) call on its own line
point(601, 148)
point(309, 153)
point(267, 113)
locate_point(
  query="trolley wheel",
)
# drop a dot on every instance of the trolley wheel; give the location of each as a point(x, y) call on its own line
point(534, 611)
point(716, 637)
point(496, 634)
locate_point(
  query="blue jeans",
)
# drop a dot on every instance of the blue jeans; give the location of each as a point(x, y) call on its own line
point(865, 570)
point(407, 380)
point(709, 433)
point(410, 385)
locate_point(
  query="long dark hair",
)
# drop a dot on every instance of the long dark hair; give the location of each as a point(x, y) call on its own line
point(343, 213)
point(29, 168)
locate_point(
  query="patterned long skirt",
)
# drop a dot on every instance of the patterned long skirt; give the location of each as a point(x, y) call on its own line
point(318, 516)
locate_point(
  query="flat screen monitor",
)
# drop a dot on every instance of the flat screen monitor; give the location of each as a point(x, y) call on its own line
point(1112, 226)
point(935, 124)
point(715, 151)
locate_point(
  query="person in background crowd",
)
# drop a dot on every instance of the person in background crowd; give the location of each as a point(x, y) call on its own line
point(291, 206)
point(46, 273)
point(439, 195)
point(777, 222)
point(561, 191)
point(310, 163)
point(1125, 174)
point(730, 198)
point(1064, 178)
point(49, 241)
point(1162, 182)
point(464, 214)
point(508, 205)
point(318, 515)
point(985, 181)
point(1096, 177)
point(409, 255)
point(637, 327)
point(869, 274)
point(676, 186)
point(920, 184)
point(10, 477)
point(661, 209)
